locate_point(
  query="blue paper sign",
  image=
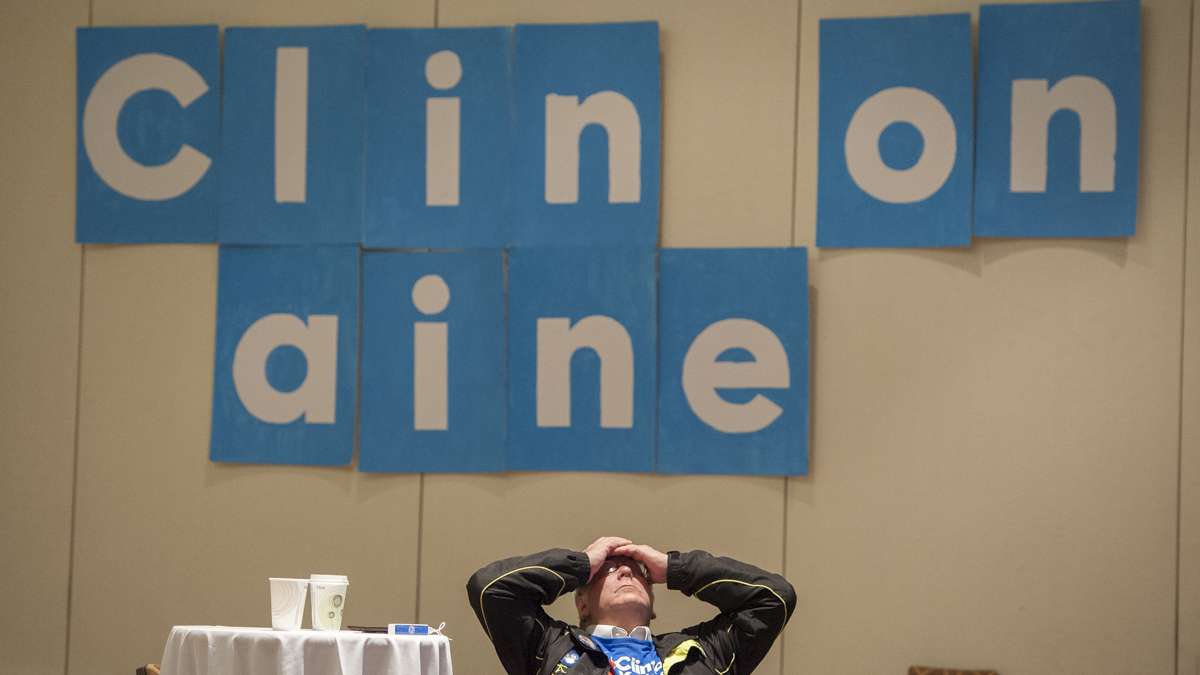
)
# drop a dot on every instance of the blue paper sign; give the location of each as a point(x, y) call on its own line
point(581, 348)
point(1059, 113)
point(292, 131)
point(588, 135)
point(439, 131)
point(287, 344)
point(147, 115)
point(895, 148)
point(733, 362)
point(433, 392)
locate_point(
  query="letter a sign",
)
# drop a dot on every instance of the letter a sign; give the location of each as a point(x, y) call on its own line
point(287, 345)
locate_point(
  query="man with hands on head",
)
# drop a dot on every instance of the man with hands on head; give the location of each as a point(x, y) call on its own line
point(613, 582)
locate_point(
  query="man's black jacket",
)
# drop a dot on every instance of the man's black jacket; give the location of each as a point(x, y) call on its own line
point(508, 595)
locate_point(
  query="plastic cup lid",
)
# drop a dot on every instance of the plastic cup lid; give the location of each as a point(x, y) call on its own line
point(336, 578)
point(303, 581)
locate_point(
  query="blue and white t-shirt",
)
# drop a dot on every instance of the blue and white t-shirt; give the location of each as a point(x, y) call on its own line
point(630, 656)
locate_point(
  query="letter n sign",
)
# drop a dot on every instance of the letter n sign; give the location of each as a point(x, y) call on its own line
point(1059, 108)
point(148, 105)
point(588, 130)
point(895, 149)
point(581, 346)
point(733, 362)
point(287, 344)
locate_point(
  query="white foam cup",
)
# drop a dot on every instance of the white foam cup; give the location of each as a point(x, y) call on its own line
point(287, 602)
point(328, 600)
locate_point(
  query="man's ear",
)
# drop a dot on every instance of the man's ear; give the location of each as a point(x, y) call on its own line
point(581, 607)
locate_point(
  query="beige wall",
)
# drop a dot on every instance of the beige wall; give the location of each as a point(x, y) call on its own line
point(39, 342)
point(996, 429)
point(997, 445)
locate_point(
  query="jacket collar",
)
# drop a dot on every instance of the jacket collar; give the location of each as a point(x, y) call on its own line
point(667, 642)
point(664, 643)
point(581, 638)
point(606, 631)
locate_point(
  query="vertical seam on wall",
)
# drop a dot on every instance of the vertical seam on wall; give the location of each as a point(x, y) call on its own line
point(795, 119)
point(654, 456)
point(795, 156)
point(420, 538)
point(1183, 341)
point(783, 643)
point(75, 458)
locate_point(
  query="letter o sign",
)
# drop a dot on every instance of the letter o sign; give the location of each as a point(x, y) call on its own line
point(932, 169)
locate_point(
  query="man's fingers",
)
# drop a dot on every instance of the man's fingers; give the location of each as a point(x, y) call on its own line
point(608, 543)
point(616, 542)
point(654, 560)
point(635, 551)
point(603, 548)
point(605, 541)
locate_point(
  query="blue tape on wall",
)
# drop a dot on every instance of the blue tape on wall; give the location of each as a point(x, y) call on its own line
point(895, 149)
point(733, 362)
point(292, 132)
point(1059, 114)
point(147, 119)
point(286, 355)
point(581, 354)
point(439, 134)
point(588, 135)
point(433, 388)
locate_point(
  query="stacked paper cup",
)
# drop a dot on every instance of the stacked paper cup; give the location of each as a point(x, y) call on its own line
point(328, 599)
point(287, 602)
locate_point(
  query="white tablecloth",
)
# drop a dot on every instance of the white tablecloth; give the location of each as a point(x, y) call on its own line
point(221, 650)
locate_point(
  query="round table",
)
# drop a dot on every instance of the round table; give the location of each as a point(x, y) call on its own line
point(223, 650)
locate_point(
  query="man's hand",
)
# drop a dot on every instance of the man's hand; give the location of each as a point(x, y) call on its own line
point(654, 560)
point(600, 549)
